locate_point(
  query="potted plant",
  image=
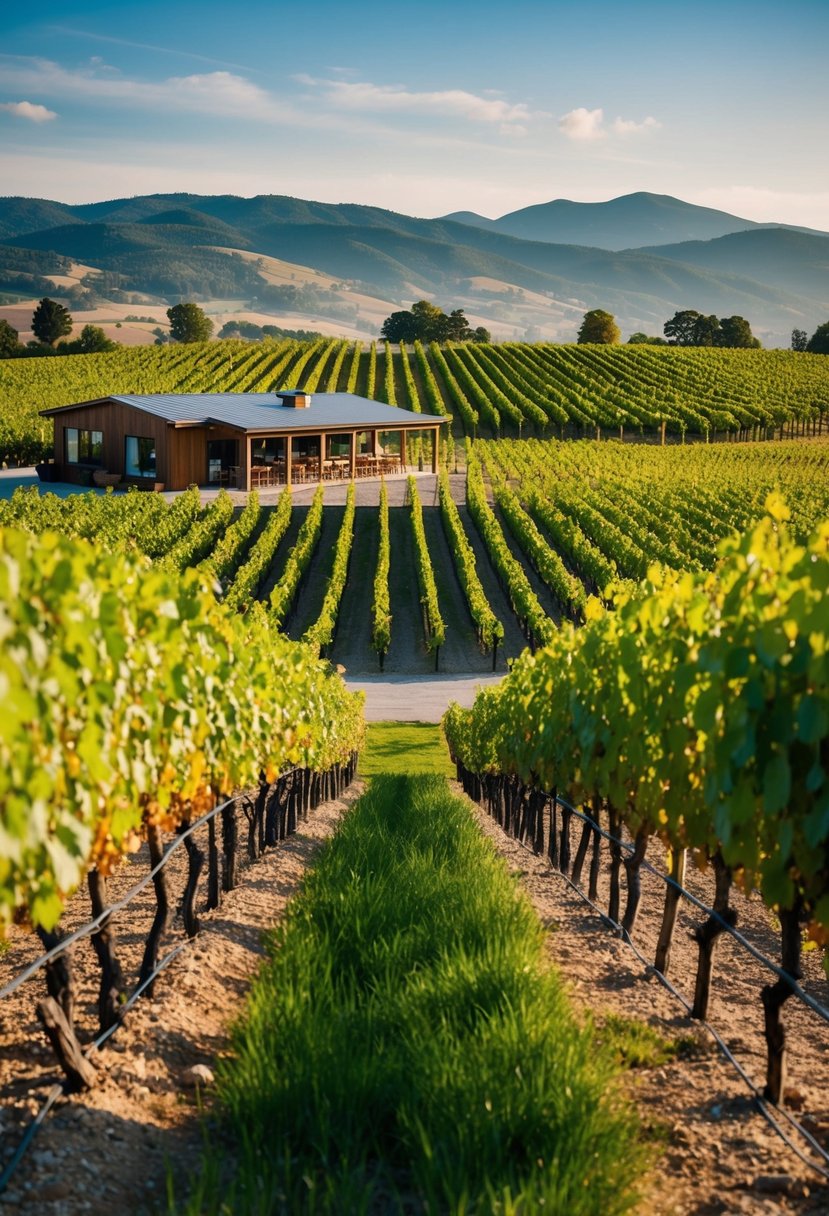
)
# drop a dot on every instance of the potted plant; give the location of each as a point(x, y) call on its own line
point(46, 470)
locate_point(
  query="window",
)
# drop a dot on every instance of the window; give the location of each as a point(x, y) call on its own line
point(139, 456)
point(84, 447)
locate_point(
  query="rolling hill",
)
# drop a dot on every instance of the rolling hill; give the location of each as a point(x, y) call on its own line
point(168, 247)
point(628, 222)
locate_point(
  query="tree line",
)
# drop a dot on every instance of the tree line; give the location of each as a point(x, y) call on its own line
point(425, 322)
point(691, 328)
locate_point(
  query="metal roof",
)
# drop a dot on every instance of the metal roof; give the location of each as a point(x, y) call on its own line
point(266, 412)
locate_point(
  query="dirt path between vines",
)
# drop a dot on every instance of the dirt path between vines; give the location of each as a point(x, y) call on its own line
point(107, 1151)
point(714, 1153)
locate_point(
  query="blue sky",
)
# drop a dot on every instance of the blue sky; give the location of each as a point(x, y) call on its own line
point(424, 108)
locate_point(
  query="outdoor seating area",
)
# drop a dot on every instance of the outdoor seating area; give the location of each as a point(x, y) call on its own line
point(338, 468)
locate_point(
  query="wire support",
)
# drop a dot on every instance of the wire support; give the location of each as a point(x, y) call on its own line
point(761, 1105)
point(820, 1010)
point(58, 1089)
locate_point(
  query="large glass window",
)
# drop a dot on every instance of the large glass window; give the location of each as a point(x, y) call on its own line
point(84, 447)
point(266, 451)
point(139, 456)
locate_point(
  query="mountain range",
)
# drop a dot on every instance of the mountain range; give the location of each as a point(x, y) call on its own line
point(641, 257)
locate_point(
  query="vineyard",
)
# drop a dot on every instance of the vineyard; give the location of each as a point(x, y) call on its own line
point(163, 669)
point(505, 390)
point(472, 567)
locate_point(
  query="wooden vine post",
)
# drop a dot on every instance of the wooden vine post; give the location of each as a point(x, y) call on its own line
point(669, 914)
point(112, 991)
point(195, 865)
point(162, 912)
point(773, 997)
point(706, 935)
point(633, 867)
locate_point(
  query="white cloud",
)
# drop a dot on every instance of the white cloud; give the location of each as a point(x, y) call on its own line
point(29, 110)
point(217, 93)
point(583, 124)
point(626, 126)
point(396, 99)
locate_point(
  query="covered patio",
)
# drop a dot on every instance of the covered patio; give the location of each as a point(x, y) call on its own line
point(241, 440)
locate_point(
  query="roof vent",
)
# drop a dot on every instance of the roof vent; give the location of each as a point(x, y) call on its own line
point(295, 398)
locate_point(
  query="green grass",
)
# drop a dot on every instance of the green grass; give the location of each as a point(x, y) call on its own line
point(406, 1048)
point(414, 748)
point(636, 1044)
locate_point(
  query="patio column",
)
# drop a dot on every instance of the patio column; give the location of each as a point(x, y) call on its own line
point(403, 461)
point(246, 463)
point(322, 455)
point(352, 455)
point(435, 446)
point(288, 460)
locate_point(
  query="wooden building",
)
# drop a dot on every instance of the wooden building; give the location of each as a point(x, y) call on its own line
point(245, 440)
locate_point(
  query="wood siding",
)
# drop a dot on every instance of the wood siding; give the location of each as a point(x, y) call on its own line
point(115, 421)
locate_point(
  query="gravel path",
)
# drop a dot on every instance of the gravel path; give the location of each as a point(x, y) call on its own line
point(416, 698)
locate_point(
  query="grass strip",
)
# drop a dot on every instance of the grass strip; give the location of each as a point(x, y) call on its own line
point(406, 1048)
point(415, 748)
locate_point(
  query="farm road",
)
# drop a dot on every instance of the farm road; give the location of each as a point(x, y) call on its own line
point(416, 698)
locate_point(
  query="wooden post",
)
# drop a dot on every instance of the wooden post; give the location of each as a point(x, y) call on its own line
point(246, 463)
point(633, 863)
point(672, 898)
point(773, 996)
point(162, 914)
point(322, 456)
point(403, 458)
point(111, 993)
point(706, 936)
point(79, 1072)
point(195, 864)
point(352, 455)
point(289, 459)
point(435, 447)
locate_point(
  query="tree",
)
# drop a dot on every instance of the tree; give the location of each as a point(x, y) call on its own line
point(50, 321)
point(680, 329)
point(92, 341)
point(480, 334)
point(640, 339)
point(599, 326)
point(456, 327)
point(707, 331)
point(400, 327)
point(736, 332)
point(818, 344)
point(431, 321)
point(188, 323)
point(428, 323)
point(9, 344)
point(799, 339)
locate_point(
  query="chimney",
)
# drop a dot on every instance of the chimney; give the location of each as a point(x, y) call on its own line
point(295, 398)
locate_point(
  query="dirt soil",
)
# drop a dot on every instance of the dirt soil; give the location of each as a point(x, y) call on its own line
point(107, 1151)
point(713, 1153)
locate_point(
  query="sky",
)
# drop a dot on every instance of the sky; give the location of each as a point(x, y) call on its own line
point(424, 108)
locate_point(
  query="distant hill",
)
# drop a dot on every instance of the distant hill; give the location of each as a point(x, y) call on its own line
point(792, 260)
point(173, 246)
point(627, 222)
